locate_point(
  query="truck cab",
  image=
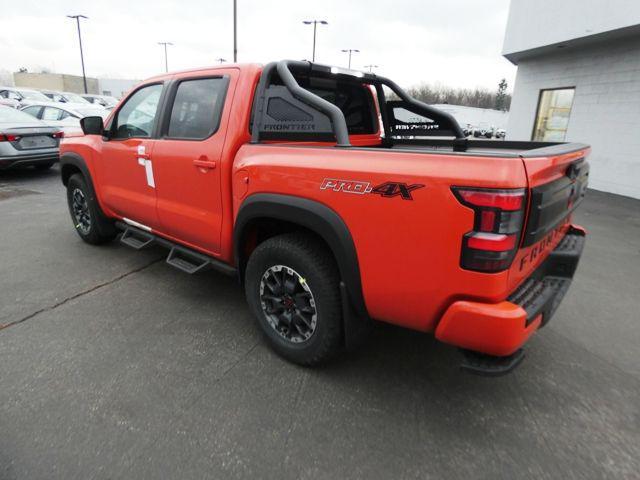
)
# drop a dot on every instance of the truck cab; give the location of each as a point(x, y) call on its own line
point(336, 199)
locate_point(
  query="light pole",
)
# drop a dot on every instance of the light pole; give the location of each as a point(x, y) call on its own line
point(315, 24)
point(235, 31)
point(221, 60)
point(350, 51)
point(166, 62)
point(371, 67)
point(84, 76)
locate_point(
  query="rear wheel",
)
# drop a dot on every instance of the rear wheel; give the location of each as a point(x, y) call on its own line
point(292, 287)
point(89, 221)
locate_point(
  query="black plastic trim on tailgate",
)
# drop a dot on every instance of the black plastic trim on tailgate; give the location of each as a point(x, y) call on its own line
point(552, 202)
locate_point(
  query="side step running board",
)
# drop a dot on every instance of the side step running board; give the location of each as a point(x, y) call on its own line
point(488, 365)
point(180, 257)
point(188, 261)
point(136, 238)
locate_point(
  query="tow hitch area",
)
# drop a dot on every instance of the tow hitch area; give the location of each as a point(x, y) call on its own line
point(489, 365)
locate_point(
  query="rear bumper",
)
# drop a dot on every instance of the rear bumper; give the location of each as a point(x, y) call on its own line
point(500, 329)
point(28, 160)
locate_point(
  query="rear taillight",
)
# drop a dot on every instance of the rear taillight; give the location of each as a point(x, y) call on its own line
point(493, 242)
point(9, 137)
point(58, 135)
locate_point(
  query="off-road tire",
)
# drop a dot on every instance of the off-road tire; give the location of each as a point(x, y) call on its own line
point(313, 262)
point(99, 229)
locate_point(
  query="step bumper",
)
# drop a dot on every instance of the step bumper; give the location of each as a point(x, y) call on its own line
point(500, 329)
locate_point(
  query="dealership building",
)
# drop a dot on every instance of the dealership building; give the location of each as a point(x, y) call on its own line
point(578, 80)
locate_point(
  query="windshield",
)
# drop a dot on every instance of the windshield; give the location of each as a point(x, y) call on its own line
point(72, 97)
point(33, 95)
point(92, 112)
point(11, 115)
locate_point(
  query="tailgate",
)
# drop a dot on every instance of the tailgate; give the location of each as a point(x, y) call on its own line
point(557, 184)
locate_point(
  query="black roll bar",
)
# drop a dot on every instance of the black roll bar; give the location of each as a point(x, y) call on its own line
point(423, 108)
point(338, 122)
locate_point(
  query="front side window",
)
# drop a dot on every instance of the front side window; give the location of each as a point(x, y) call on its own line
point(137, 116)
point(552, 119)
point(197, 108)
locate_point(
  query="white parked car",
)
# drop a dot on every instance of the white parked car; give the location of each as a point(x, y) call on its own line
point(64, 97)
point(65, 116)
point(106, 101)
point(17, 97)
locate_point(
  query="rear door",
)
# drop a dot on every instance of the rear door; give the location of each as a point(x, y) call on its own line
point(557, 185)
point(126, 166)
point(187, 158)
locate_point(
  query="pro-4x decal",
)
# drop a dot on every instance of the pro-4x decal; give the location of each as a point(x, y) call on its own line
point(392, 189)
point(386, 189)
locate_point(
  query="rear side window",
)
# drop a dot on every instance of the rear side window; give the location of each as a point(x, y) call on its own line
point(356, 104)
point(35, 111)
point(197, 108)
point(51, 113)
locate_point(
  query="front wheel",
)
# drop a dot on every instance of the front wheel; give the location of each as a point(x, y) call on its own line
point(292, 287)
point(89, 221)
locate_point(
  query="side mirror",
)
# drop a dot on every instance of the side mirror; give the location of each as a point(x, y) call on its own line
point(92, 125)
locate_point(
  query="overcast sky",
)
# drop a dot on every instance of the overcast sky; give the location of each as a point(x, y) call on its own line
point(452, 42)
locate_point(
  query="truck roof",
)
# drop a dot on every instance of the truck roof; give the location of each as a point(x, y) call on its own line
point(222, 66)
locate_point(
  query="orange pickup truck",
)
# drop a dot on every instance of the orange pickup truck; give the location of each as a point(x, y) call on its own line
point(336, 199)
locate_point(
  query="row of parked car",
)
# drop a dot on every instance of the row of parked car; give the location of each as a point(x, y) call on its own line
point(484, 132)
point(32, 122)
point(60, 109)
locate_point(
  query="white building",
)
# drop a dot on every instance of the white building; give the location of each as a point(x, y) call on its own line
point(116, 87)
point(579, 81)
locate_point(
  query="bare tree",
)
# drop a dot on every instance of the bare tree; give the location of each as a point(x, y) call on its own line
point(470, 97)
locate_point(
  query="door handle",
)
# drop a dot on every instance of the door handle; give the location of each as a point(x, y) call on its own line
point(210, 164)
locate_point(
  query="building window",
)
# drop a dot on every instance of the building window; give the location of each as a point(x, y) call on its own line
point(552, 118)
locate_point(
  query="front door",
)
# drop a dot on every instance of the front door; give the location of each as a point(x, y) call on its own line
point(126, 164)
point(187, 158)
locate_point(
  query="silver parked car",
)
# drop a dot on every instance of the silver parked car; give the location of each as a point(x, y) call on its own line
point(17, 97)
point(65, 116)
point(26, 141)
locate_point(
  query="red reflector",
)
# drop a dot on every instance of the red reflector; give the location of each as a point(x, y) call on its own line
point(493, 242)
point(487, 220)
point(505, 200)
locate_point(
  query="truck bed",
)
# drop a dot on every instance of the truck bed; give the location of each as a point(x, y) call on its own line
point(499, 148)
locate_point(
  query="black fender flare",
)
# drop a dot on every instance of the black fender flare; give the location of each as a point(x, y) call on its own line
point(315, 217)
point(76, 162)
point(73, 159)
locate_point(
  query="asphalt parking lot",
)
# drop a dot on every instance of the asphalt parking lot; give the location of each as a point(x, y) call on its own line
point(113, 365)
